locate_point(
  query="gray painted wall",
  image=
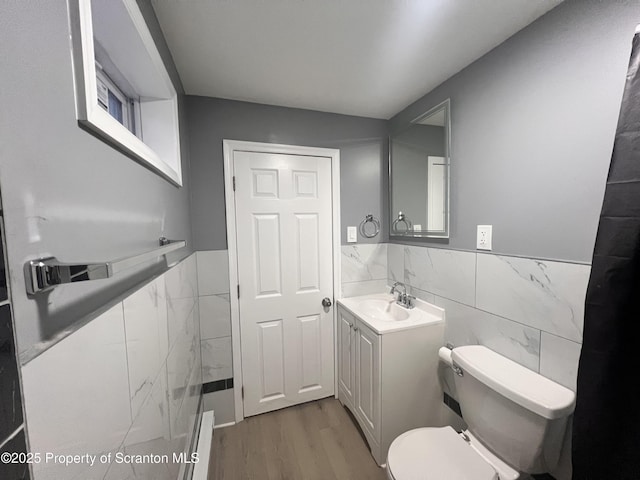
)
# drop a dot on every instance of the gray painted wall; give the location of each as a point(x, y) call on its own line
point(363, 158)
point(66, 193)
point(533, 124)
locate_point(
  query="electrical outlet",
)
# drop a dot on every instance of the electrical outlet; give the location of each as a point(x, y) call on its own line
point(484, 237)
point(352, 234)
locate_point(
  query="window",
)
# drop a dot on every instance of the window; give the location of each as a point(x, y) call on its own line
point(123, 91)
point(114, 101)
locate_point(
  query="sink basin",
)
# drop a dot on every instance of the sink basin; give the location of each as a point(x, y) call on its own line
point(380, 312)
point(384, 310)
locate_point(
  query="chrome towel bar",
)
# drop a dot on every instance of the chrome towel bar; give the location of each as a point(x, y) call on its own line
point(46, 273)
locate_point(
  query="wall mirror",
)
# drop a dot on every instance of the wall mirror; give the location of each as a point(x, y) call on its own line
point(419, 176)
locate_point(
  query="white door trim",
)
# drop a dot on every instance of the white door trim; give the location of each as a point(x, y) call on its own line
point(229, 146)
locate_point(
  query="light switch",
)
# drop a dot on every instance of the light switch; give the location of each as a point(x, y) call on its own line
point(417, 227)
point(352, 234)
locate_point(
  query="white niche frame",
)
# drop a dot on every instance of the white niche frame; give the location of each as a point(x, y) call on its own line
point(131, 48)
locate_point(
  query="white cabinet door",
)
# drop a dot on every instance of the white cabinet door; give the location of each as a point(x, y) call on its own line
point(367, 395)
point(284, 232)
point(346, 356)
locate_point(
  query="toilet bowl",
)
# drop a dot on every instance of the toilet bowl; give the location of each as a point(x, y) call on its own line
point(516, 419)
point(444, 454)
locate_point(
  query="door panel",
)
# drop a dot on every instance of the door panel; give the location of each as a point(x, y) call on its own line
point(265, 183)
point(305, 184)
point(285, 269)
point(267, 242)
point(310, 353)
point(308, 267)
point(346, 356)
point(365, 381)
point(271, 348)
point(368, 379)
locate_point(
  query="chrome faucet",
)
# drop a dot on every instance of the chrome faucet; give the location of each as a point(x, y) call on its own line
point(403, 299)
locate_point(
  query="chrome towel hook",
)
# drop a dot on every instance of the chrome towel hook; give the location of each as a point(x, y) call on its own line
point(370, 232)
point(402, 218)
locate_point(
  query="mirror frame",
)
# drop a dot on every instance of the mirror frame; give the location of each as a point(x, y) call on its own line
point(425, 233)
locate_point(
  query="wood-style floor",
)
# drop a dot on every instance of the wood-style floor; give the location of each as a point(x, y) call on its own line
point(313, 441)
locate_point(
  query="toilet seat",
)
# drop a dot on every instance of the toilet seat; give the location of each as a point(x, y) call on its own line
point(436, 454)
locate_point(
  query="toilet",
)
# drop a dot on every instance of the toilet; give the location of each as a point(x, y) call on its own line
point(516, 422)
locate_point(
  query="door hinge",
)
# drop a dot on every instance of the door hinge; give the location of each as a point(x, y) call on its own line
point(238, 290)
point(234, 183)
point(242, 392)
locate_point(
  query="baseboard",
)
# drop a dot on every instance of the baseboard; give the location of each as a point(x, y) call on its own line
point(186, 469)
point(201, 469)
point(223, 425)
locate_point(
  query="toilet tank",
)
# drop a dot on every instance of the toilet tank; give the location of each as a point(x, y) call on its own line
point(518, 414)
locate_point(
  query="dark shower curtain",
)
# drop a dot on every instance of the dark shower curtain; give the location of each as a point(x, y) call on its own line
point(606, 425)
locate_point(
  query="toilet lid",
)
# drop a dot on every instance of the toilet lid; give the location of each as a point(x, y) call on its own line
point(436, 454)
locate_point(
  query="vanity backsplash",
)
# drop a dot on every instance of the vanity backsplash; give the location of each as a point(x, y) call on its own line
point(528, 310)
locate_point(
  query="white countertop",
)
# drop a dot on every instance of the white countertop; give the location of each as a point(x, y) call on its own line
point(421, 315)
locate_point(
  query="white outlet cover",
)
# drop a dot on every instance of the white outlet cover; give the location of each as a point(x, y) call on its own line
point(352, 234)
point(484, 237)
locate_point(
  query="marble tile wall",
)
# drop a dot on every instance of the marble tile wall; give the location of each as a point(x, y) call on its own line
point(528, 310)
point(127, 383)
point(538, 325)
point(364, 269)
point(215, 328)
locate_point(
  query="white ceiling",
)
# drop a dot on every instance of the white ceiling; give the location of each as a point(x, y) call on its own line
point(359, 57)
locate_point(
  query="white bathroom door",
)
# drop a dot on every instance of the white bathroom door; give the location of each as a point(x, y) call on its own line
point(285, 270)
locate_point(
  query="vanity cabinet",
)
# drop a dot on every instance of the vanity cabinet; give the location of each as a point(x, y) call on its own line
point(358, 371)
point(346, 357)
point(367, 379)
point(388, 381)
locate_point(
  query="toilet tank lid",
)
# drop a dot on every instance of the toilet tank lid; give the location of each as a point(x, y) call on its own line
point(515, 382)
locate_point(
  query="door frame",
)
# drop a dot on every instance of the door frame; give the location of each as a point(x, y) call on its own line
point(333, 155)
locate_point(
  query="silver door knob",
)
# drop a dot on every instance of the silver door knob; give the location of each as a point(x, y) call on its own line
point(326, 302)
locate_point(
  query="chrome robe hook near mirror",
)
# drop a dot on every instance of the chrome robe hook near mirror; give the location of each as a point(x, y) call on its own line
point(402, 218)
